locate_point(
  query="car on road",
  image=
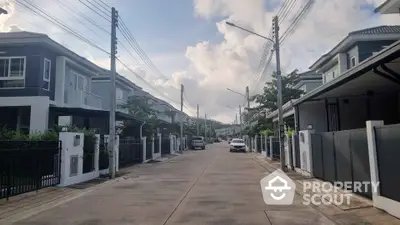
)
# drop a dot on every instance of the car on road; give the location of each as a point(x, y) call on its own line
point(237, 145)
point(198, 142)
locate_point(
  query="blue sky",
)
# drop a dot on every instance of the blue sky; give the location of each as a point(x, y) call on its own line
point(163, 27)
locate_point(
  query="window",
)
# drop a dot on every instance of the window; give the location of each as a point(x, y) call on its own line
point(12, 72)
point(46, 74)
point(80, 82)
point(353, 61)
point(333, 74)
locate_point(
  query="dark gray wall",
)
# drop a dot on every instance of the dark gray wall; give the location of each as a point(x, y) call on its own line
point(35, 55)
point(366, 48)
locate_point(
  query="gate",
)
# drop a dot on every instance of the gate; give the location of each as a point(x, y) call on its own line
point(268, 148)
point(157, 145)
point(28, 165)
point(130, 152)
point(149, 149)
point(258, 145)
point(342, 156)
point(88, 153)
point(276, 154)
point(388, 153)
point(165, 146)
point(103, 153)
point(296, 150)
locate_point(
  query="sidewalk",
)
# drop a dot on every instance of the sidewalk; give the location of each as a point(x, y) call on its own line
point(360, 211)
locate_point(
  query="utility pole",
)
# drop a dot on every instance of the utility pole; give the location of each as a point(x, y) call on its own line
point(248, 96)
point(236, 120)
point(111, 138)
point(197, 121)
point(240, 120)
point(275, 25)
point(205, 126)
point(181, 148)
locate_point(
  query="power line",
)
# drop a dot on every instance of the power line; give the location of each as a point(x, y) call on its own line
point(104, 5)
point(98, 11)
point(78, 15)
point(134, 44)
point(28, 5)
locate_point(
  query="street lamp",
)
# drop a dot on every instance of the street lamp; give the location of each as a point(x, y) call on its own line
point(275, 31)
point(235, 92)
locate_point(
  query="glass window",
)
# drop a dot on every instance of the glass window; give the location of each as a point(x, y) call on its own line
point(12, 72)
point(17, 67)
point(237, 141)
point(46, 74)
point(4, 67)
point(353, 61)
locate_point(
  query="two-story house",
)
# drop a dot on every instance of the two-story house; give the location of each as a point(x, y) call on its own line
point(41, 80)
point(355, 48)
point(389, 7)
point(349, 95)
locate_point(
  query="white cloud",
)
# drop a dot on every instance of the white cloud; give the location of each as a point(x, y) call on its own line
point(231, 63)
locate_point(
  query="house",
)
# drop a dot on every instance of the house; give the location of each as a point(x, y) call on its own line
point(389, 7)
point(307, 82)
point(43, 84)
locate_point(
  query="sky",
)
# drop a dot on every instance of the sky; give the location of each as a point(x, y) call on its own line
point(189, 42)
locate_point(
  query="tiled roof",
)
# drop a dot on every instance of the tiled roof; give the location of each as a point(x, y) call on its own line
point(21, 34)
point(378, 30)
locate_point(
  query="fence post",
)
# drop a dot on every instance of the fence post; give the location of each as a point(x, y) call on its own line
point(144, 149)
point(152, 146)
point(97, 153)
point(373, 163)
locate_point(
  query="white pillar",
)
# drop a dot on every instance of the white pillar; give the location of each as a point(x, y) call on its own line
point(373, 163)
point(144, 149)
point(39, 117)
point(97, 153)
point(152, 146)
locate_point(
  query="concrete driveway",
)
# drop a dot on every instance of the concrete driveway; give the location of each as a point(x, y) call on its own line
point(209, 186)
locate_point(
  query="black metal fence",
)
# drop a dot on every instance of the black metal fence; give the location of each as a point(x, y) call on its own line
point(165, 146)
point(88, 153)
point(130, 152)
point(28, 165)
point(296, 150)
point(258, 144)
point(276, 154)
point(157, 145)
point(388, 155)
point(149, 149)
point(268, 148)
point(103, 153)
point(342, 156)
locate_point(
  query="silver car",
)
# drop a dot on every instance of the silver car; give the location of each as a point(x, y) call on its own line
point(198, 142)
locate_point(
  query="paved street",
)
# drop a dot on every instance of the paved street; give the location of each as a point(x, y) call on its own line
point(211, 186)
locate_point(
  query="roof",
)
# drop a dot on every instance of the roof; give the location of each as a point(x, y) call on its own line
point(388, 7)
point(378, 30)
point(387, 54)
point(25, 37)
point(354, 36)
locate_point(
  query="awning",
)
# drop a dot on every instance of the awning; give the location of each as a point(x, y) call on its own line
point(90, 113)
point(367, 79)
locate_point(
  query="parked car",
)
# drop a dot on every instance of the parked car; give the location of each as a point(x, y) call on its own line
point(198, 142)
point(237, 145)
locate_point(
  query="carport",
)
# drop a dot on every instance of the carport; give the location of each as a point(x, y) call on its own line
point(331, 119)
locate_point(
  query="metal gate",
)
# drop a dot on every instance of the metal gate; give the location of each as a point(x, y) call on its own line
point(157, 145)
point(28, 165)
point(88, 153)
point(258, 145)
point(165, 146)
point(296, 150)
point(149, 149)
point(342, 156)
point(275, 148)
point(103, 153)
point(130, 152)
point(388, 154)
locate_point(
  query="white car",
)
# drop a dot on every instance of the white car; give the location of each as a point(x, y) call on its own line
point(237, 145)
point(198, 142)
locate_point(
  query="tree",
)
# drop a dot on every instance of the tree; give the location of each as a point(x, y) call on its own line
point(269, 98)
point(141, 109)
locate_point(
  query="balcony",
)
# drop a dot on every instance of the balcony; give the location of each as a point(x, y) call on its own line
point(121, 102)
point(92, 100)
